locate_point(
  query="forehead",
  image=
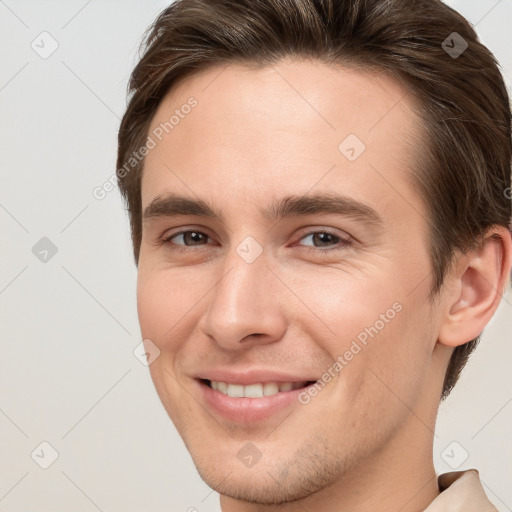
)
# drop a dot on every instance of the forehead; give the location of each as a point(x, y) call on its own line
point(287, 127)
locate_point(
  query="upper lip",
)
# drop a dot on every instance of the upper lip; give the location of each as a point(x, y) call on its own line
point(252, 376)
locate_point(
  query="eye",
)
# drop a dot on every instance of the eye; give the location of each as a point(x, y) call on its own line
point(324, 237)
point(194, 237)
point(186, 239)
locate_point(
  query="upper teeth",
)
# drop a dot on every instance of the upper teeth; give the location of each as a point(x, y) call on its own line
point(255, 390)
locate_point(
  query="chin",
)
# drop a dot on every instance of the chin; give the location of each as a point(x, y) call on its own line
point(272, 480)
point(259, 488)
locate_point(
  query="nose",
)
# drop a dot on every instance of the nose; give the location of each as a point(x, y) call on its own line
point(244, 308)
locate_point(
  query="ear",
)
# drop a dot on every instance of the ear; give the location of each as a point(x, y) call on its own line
point(476, 284)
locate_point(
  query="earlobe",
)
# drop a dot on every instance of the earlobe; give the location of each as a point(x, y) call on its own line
point(479, 280)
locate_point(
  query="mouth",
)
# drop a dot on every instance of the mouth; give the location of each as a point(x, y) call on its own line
point(255, 390)
point(251, 403)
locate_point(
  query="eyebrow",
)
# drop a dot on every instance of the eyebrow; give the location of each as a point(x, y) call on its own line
point(172, 205)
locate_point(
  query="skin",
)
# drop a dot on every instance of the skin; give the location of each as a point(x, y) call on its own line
point(365, 442)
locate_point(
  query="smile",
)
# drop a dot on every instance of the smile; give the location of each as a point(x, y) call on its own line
point(251, 402)
point(257, 390)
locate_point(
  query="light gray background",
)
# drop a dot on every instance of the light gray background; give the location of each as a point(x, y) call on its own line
point(69, 326)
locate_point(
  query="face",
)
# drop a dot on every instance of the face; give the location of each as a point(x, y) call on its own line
point(284, 254)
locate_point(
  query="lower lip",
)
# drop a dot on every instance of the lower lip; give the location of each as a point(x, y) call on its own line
point(245, 410)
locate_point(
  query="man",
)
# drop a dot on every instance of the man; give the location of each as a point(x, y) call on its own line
point(318, 201)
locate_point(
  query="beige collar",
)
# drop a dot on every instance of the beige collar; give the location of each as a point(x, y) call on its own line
point(461, 491)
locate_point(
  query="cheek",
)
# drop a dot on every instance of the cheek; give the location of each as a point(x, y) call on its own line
point(165, 301)
point(165, 318)
point(151, 304)
point(379, 335)
point(341, 308)
point(395, 360)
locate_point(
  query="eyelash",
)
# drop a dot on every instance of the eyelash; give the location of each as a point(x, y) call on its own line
point(343, 243)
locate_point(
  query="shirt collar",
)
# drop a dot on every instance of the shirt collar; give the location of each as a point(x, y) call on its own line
point(461, 491)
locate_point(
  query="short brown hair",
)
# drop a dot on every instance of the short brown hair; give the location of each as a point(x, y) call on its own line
point(464, 173)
